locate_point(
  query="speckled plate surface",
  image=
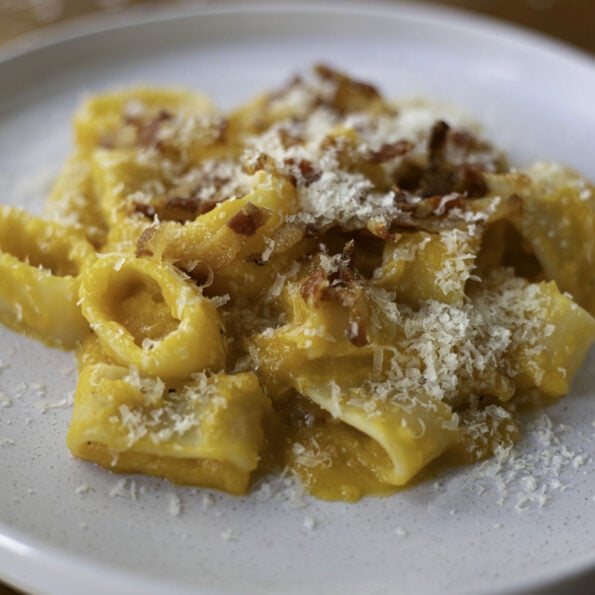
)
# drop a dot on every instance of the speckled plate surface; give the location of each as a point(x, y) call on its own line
point(69, 527)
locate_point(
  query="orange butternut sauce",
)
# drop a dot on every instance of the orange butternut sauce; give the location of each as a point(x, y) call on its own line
point(333, 460)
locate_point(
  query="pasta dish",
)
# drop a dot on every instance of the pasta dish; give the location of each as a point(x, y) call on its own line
point(320, 281)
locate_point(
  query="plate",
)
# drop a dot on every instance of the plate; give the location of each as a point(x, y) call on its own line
point(66, 526)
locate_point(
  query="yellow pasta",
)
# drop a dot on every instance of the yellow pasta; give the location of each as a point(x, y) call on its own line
point(557, 222)
point(40, 267)
point(421, 266)
point(321, 281)
point(413, 433)
point(125, 117)
point(73, 201)
point(145, 314)
point(207, 431)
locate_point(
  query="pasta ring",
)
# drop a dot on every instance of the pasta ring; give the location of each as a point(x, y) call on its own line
point(40, 266)
point(196, 342)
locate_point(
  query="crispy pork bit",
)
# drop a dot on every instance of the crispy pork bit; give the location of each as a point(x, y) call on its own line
point(289, 139)
point(324, 285)
point(356, 333)
point(471, 181)
point(442, 177)
point(146, 209)
point(148, 130)
point(175, 208)
point(437, 140)
point(350, 95)
point(340, 284)
point(389, 151)
point(144, 240)
point(257, 162)
point(350, 85)
point(248, 220)
point(305, 173)
point(185, 202)
point(311, 288)
point(221, 129)
point(185, 208)
point(437, 179)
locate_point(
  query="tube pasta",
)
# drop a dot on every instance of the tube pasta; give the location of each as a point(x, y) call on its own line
point(120, 296)
point(206, 431)
point(557, 222)
point(413, 433)
point(73, 201)
point(99, 120)
point(40, 267)
point(549, 365)
point(421, 266)
point(320, 281)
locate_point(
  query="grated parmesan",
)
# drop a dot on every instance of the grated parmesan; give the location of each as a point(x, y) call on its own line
point(174, 505)
point(356, 177)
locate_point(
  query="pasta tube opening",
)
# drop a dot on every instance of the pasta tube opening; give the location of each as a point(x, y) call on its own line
point(146, 315)
point(126, 297)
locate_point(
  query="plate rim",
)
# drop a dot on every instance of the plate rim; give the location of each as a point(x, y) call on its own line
point(17, 546)
point(442, 15)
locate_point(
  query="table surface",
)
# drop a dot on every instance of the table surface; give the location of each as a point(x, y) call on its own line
point(567, 20)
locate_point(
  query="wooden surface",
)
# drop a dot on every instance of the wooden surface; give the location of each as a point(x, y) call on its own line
point(569, 20)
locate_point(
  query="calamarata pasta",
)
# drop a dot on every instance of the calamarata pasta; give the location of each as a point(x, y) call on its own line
point(320, 281)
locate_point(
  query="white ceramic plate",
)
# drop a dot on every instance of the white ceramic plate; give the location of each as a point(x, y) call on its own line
point(62, 532)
